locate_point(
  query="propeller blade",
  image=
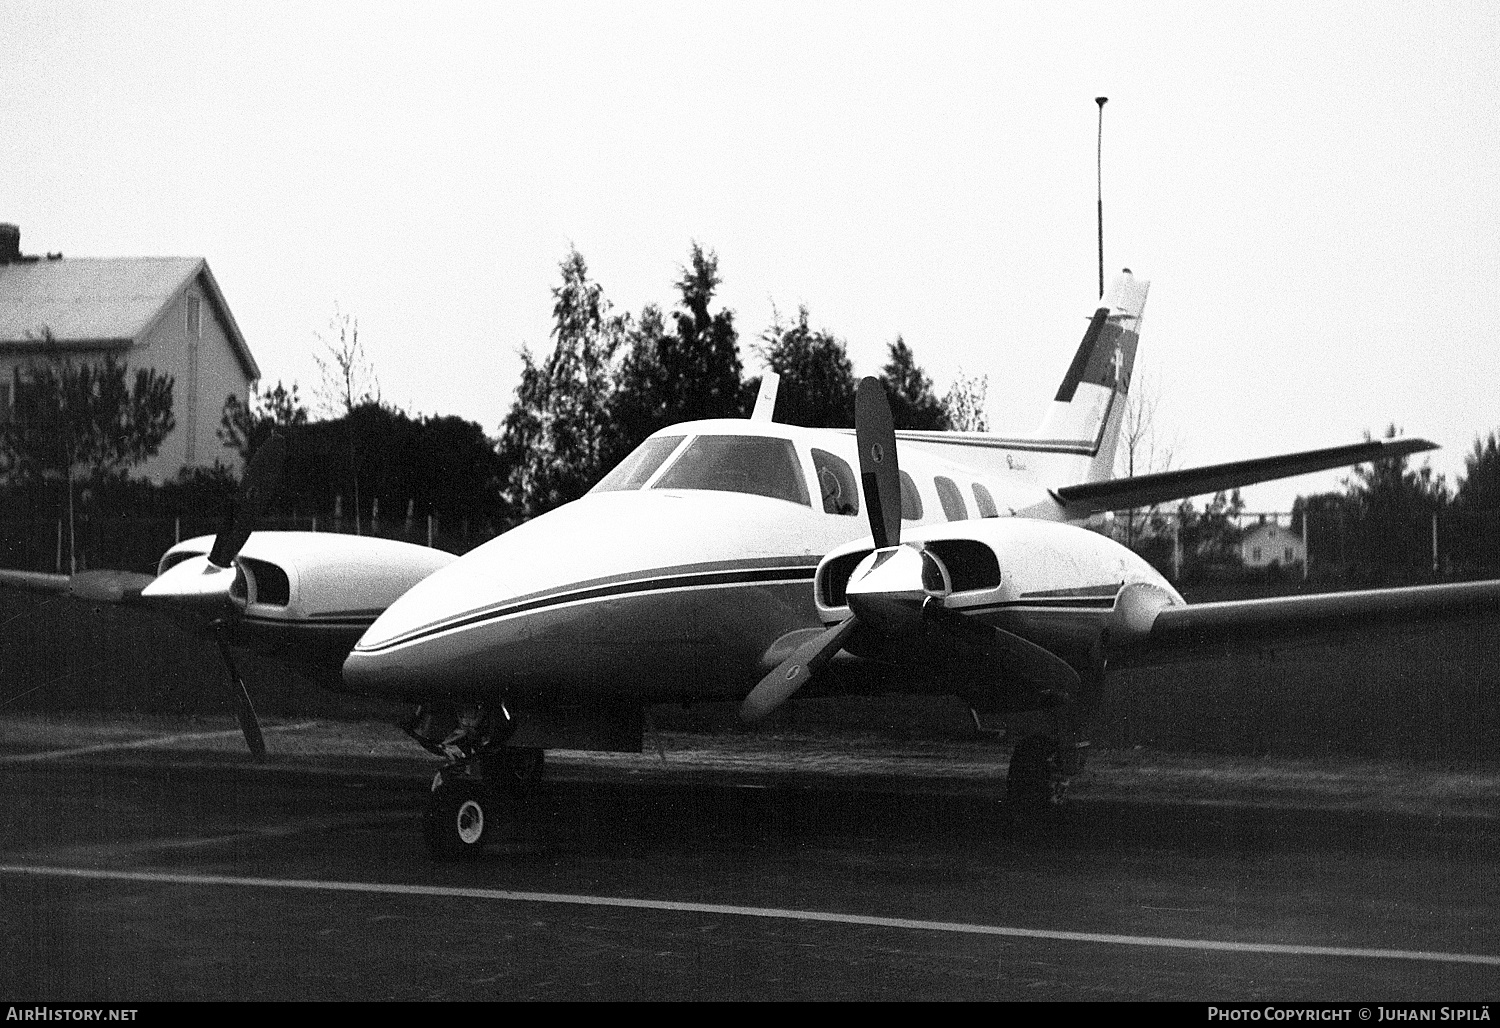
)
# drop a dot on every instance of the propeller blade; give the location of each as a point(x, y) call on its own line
point(256, 489)
point(879, 474)
point(1017, 657)
point(244, 710)
point(108, 586)
point(794, 672)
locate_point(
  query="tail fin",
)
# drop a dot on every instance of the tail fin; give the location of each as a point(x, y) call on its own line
point(1084, 418)
point(1076, 440)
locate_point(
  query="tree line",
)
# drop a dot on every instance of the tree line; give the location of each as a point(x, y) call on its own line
point(608, 380)
point(1391, 523)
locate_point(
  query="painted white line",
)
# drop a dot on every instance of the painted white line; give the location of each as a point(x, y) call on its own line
point(141, 744)
point(163, 878)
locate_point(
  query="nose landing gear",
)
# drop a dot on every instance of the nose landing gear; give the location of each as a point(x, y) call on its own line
point(480, 789)
point(460, 813)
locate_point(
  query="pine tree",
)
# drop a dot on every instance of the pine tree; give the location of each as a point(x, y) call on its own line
point(913, 403)
point(690, 373)
point(817, 380)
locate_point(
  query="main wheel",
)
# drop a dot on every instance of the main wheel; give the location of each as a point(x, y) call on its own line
point(1032, 783)
point(460, 813)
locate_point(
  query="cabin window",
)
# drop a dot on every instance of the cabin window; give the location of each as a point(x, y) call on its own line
point(837, 483)
point(985, 502)
point(951, 499)
point(911, 500)
point(758, 465)
point(634, 470)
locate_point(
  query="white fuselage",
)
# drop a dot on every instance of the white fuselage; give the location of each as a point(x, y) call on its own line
point(689, 580)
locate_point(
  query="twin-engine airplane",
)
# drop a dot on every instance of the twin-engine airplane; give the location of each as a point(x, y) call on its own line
point(747, 561)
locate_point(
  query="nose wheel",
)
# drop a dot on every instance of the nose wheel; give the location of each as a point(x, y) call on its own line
point(461, 813)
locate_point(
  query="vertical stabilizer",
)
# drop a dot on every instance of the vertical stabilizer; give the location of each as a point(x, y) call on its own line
point(765, 401)
point(1085, 415)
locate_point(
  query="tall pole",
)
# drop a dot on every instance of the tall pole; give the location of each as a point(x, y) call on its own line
point(1101, 101)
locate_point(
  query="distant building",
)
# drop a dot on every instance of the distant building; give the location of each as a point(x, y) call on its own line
point(165, 313)
point(1270, 543)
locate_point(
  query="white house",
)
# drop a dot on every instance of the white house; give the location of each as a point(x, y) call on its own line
point(165, 313)
point(1271, 543)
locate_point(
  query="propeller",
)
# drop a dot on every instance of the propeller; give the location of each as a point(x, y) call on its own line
point(795, 672)
point(244, 710)
point(198, 587)
point(1014, 656)
point(254, 496)
point(879, 474)
point(899, 590)
point(880, 481)
point(202, 585)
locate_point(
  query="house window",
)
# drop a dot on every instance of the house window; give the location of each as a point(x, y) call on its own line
point(1255, 554)
point(194, 325)
point(1286, 555)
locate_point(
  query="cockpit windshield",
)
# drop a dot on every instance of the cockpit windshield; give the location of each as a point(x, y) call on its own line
point(634, 470)
point(752, 464)
point(758, 465)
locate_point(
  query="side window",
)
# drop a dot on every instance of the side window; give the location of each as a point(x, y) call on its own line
point(986, 502)
point(951, 499)
point(911, 500)
point(837, 483)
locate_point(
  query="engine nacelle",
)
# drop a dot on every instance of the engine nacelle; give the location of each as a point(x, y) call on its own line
point(297, 576)
point(993, 563)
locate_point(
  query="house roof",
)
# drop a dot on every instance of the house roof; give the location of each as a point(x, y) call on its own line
point(1271, 530)
point(103, 302)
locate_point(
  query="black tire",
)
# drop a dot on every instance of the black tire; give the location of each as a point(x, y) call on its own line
point(1029, 784)
point(460, 814)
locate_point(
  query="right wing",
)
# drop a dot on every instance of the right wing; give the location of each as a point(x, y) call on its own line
point(1145, 490)
point(1146, 630)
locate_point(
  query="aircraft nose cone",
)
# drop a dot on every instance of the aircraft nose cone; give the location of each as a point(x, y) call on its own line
point(571, 596)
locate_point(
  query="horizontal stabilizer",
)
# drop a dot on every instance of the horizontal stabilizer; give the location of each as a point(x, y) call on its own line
point(1212, 630)
point(1145, 490)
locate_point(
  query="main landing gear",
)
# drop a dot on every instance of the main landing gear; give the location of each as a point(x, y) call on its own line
point(481, 789)
point(1041, 767)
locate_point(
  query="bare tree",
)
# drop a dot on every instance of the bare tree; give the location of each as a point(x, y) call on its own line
point(965, 403)
point(348, 377)
point(1144, 448)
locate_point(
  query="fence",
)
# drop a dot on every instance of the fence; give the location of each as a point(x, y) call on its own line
point(136, 543)
point(1452, 543)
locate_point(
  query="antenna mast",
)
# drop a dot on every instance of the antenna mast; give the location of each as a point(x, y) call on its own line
point(1101, 101)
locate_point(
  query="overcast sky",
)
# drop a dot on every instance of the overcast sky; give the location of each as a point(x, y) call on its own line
point(1310, 188)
